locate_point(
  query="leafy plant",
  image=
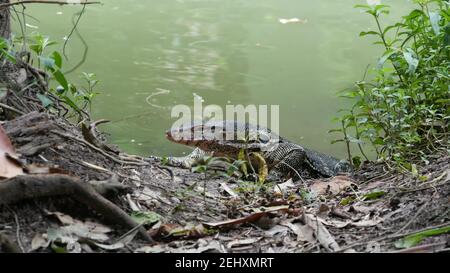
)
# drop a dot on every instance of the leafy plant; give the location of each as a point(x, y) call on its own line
point(403, 112)
point(39, 44)
point(6, 50)
point(78, 99)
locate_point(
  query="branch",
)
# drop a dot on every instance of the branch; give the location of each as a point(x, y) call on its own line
point(47, 2)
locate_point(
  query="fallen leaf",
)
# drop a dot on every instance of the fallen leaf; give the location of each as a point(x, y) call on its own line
point(321, 233)
point(275, 231)
point(333, 187)
point(8, 167)
point(146, 218)
point(247, 219)
point(121, 243)
point(151, 249)
point(229, 190)
point(283, 187)
point(374, 195)
point(245, 242)
point(303, 232)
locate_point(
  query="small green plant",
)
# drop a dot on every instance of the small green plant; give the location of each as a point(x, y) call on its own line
point(403, 112)
point(38, 44)
point(78, 99)
point(6, 50)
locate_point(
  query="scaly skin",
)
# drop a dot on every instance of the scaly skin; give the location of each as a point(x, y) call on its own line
point(228, 138)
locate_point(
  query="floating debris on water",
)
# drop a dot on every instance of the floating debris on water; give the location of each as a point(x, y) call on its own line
point(293, 20)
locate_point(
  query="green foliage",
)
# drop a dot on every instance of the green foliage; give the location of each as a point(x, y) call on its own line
point(78, 99)
point(6, 50)
point(403, 111)
point(415, 239)
point(146, 218)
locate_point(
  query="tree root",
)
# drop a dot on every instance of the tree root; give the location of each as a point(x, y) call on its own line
point(35, 186)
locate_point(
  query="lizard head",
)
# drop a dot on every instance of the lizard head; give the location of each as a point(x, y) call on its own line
point(224, 138)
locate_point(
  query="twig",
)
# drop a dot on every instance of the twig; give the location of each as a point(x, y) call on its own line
point(75, 25)
point(390, 237)
point(414, 217)
point(5, 5)
point(19, 240)
point(100, 150)
point(7, 107)
point(430, 248)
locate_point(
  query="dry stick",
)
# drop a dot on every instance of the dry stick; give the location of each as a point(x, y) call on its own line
point(430, 248)
point(100, 150)
point(7, 107)
point(19, 241)
point(422, 208)
point(45, 2)
point(393, 236)
point(35, 186)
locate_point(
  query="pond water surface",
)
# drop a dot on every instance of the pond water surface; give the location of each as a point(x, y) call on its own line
point(226, 51)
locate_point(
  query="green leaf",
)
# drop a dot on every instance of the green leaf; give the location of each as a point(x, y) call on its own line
point(57, 58)
point(355, 140)
point(72, 104)
point(199, 169)
point(61, 79)
point(434, 20)
point(414, 239)
point(46, 101)
point(365, 33)
point(346, 201)
point(411, 60)
point(146, 218)
point(384, 58)
point(374, 195)
point(48, 63)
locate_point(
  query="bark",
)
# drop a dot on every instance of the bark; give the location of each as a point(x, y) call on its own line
point(5, 24)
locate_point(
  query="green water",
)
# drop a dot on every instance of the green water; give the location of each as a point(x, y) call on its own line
point(227, 51)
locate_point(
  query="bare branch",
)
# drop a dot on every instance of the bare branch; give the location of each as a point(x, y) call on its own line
point(47, 2)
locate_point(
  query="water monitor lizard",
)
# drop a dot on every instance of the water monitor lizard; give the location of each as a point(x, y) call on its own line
point(229, 138)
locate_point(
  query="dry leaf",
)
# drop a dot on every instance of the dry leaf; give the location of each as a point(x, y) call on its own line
point(333, 187)
point(8, 166)
point(245, 242)
point(283, 187)
point(247, 219)
point(321, 233)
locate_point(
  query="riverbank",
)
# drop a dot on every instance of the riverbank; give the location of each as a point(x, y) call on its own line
point(373, 211)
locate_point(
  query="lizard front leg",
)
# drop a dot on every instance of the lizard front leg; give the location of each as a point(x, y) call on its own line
point(188, 161)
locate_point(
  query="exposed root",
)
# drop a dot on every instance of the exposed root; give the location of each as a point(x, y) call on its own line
point(35, 186)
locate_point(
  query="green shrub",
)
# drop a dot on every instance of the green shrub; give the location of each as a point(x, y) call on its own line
point(403, 111)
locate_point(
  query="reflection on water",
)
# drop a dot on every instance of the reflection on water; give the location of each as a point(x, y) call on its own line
point(153, 54)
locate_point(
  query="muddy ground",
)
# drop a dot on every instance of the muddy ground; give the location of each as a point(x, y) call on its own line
point(372, 211)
